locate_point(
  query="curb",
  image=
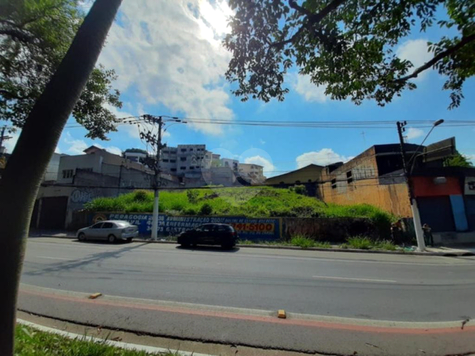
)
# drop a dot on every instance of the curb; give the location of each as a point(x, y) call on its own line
point(119, 344)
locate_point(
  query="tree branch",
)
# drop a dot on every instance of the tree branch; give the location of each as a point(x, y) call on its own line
point(312, 19)
point(448, 52)
point(17, 34)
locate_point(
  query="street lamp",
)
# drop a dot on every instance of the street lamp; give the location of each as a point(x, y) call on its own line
point(415, 210)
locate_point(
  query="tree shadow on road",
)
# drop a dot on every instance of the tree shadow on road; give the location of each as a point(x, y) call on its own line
point(80, 263)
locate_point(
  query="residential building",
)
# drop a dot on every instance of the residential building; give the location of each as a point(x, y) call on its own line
point(185, 160)
point(253, 173)
point(231, 163)
point(95, 160)
point(135, 155)
point(309, 176)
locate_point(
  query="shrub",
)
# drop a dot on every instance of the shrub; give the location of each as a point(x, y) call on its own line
point(360, 242)
point(140, 195)
point(206, 209)
point(192, 196)
point(385, 245)
point(189, 211)
point(300, 189)
point(302, 241)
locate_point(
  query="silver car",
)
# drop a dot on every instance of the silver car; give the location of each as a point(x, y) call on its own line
point(110, 230)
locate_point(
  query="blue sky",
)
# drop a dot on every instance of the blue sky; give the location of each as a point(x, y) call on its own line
point(169, 60)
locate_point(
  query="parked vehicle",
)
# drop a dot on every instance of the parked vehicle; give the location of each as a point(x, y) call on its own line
point(209, 234)
point(109, 230)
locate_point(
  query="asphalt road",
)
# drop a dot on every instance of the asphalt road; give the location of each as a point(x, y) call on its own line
point(365, 286)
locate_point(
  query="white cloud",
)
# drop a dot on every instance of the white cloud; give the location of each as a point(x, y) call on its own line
point(310, 91)
point(170, 53)
point(323, 157)
point(76, 146)
point(264, 162)
point(417, 52)
point(413, 133)
point(262, 142)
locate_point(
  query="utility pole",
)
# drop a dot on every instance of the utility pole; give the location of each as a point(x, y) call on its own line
point(157, 142)
point(415, 210)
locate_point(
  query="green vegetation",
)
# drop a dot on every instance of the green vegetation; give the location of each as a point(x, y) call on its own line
point(355, 242)
point(366, 243)
point(306, 242)
point(29, 341)
point(458, 160)
point(247, 201)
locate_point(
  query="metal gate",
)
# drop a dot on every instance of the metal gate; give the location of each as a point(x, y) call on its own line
point(437, 212)
point(53, 212)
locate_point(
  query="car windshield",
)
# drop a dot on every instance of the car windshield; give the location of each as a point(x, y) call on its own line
point(237, 177)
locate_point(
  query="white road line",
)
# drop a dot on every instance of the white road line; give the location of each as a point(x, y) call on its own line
point(54, 258)
point(356, 279)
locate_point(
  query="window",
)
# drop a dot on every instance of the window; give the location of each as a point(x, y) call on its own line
point(173, 161)
point(349, 177)
point(165, 160)
point(197, 166)
point(192, 167)
point(86, 169)
point(182, 159)
point(68, 173)
point(173, 169)
point(107, 225)
point(191, 149)
point(183, 150)
point(182, 168)
point(334, 183)
point(97, 226)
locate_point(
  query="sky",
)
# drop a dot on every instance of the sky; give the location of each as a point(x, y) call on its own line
point(169, 61)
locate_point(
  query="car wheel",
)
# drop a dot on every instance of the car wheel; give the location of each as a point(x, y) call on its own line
point(129, 239)
point(111, 239)
point(185, 244)
point(82, 236)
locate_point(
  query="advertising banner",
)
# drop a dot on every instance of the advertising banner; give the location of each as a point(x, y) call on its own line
point(265, 229)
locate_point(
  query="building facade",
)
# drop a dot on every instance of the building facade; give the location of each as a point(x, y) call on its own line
point(253, 173)
point(368, 178)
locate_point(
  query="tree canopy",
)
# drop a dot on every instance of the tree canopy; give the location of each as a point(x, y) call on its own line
point(458, 160)
point(347, 46)
point(34, 37)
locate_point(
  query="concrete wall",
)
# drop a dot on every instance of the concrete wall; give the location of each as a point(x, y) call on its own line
point(329, 229)
point(93, 162)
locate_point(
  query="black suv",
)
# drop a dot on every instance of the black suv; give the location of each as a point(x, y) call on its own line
point(209, 234)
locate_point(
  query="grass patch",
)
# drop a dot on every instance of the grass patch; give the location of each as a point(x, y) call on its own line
point(29, 341)
point(365, 243)
point(243, 201)
point(360, 242)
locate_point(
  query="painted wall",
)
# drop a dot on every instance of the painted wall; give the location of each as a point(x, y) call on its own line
point(425, 187)
point(393, 198)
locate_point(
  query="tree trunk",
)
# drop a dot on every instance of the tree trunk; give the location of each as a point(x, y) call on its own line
point(36, 144)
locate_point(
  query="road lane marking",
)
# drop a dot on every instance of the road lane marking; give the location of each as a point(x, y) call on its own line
point(356, 279)
point(54, 258)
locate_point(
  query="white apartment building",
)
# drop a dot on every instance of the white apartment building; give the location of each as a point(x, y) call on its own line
point(253, 173)
point(233, 164)
point(186, 160)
